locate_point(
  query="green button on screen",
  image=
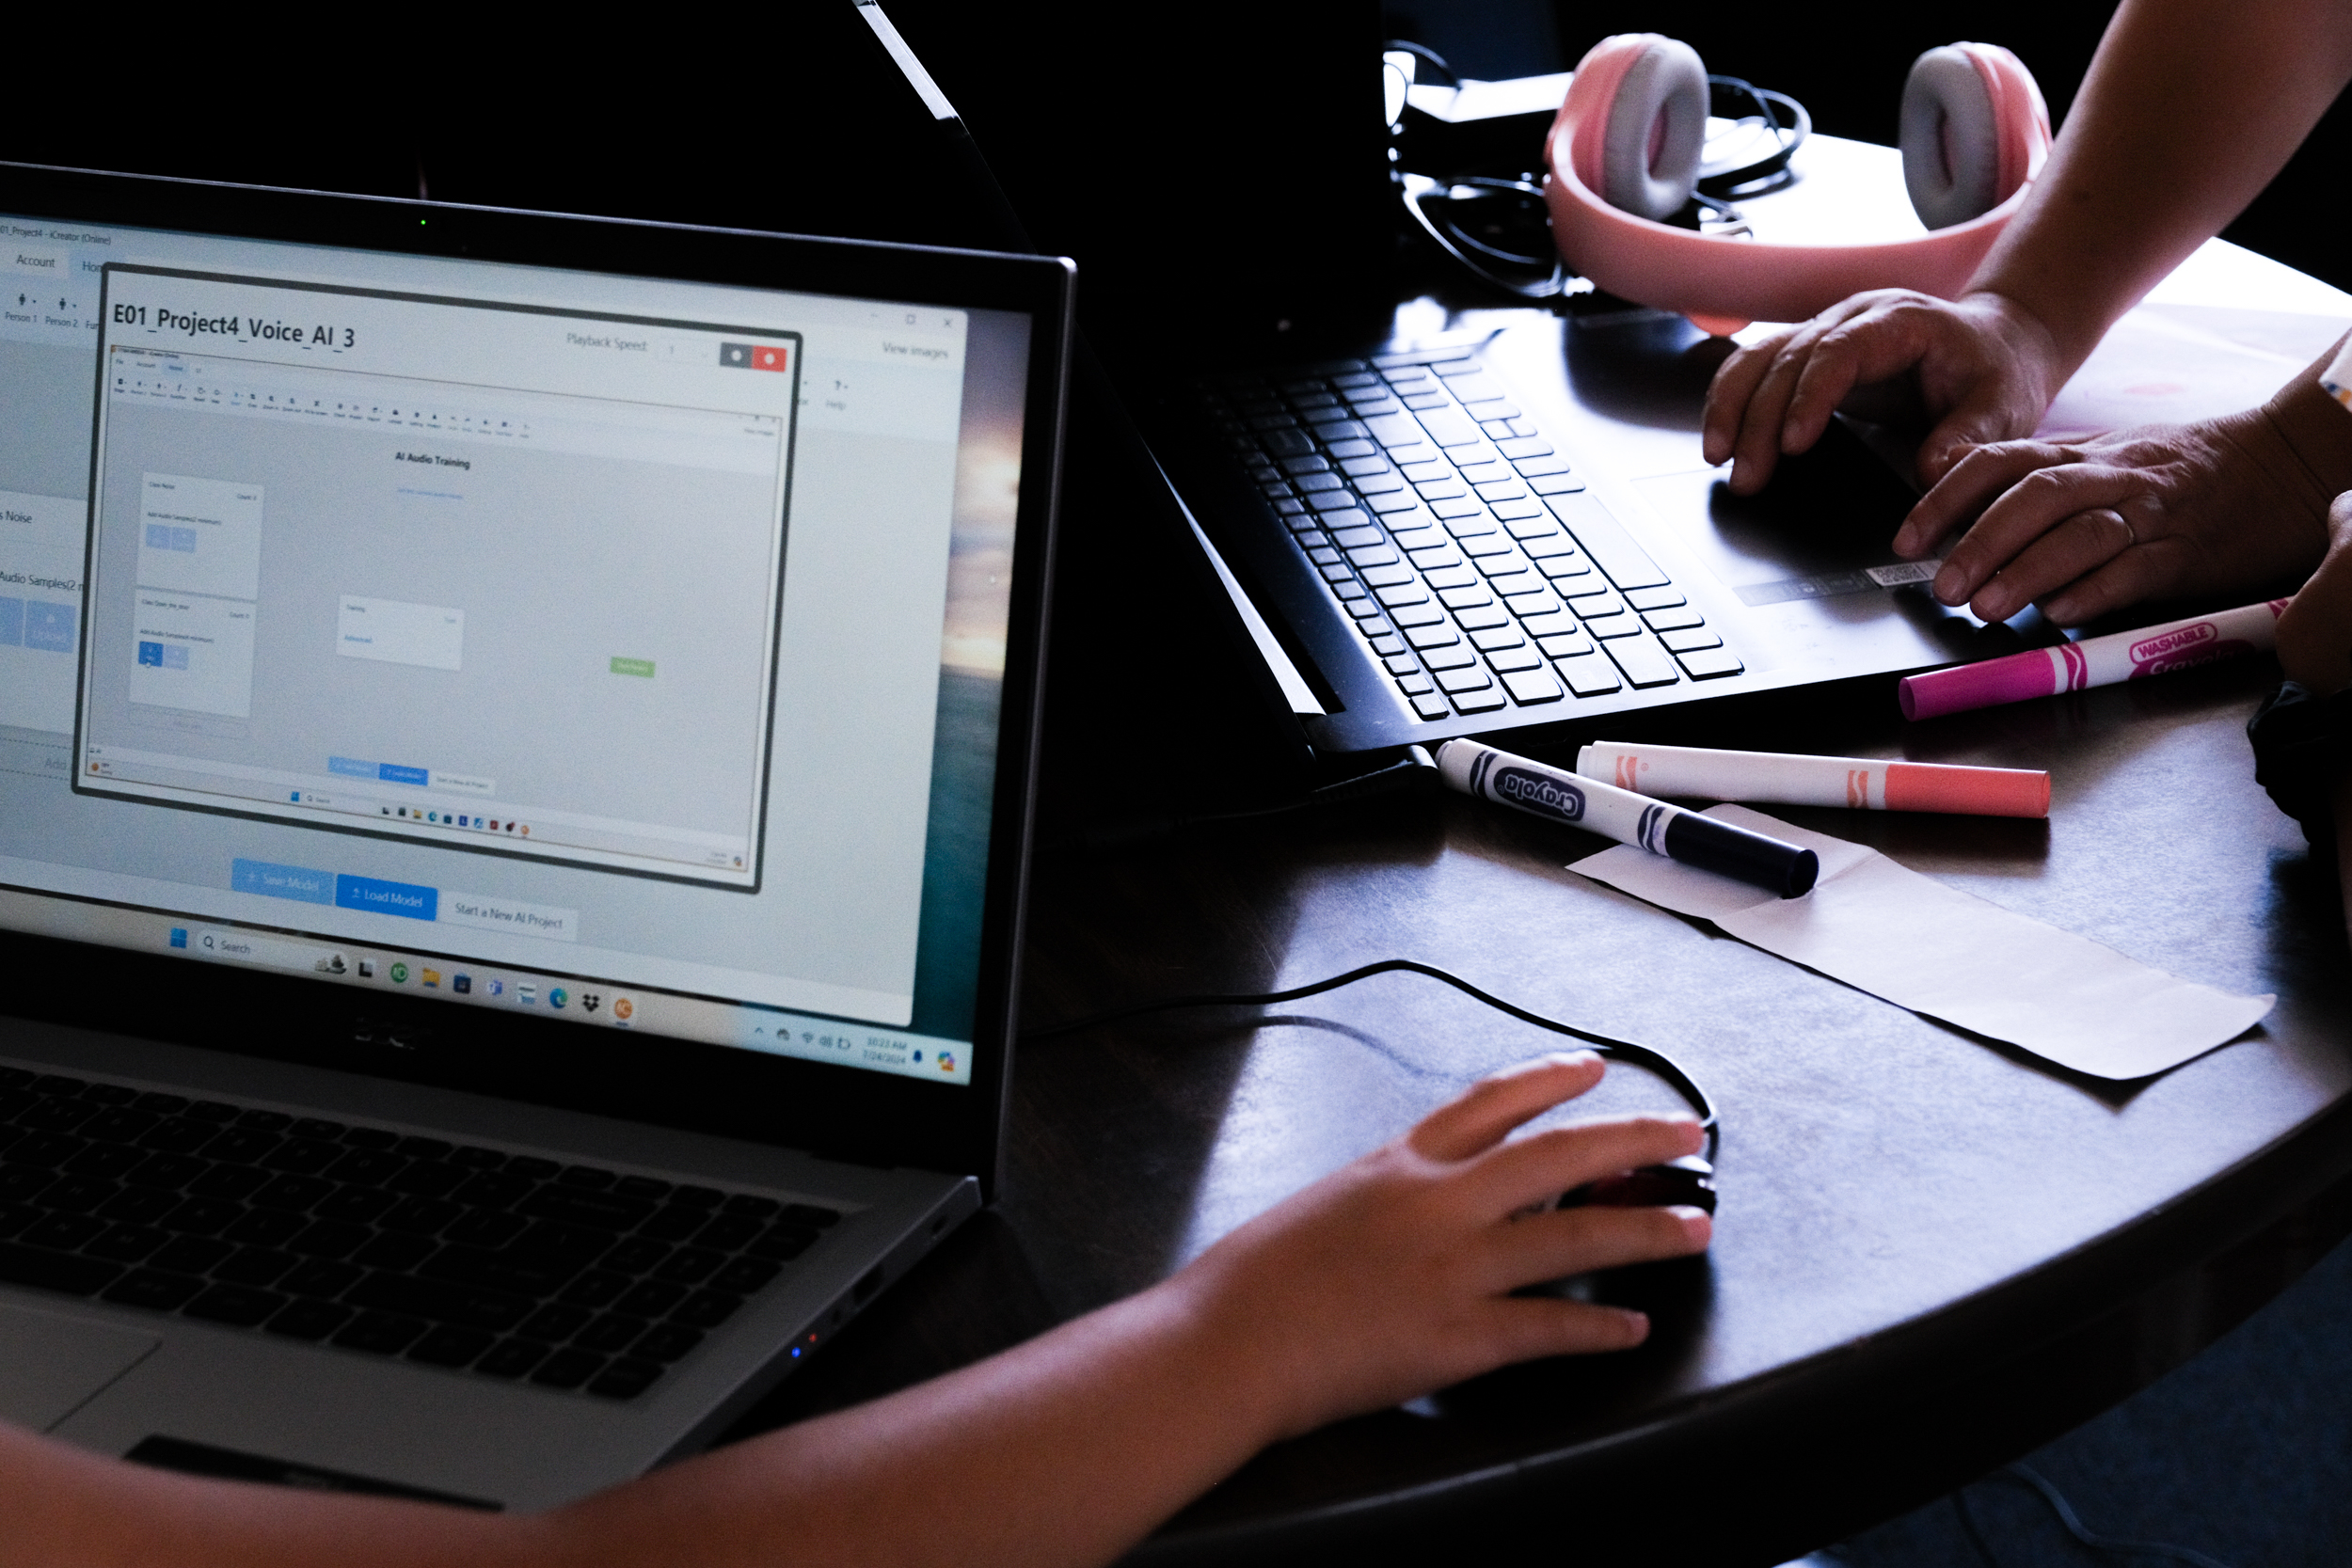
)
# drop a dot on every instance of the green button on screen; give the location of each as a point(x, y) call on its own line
point(633, 666)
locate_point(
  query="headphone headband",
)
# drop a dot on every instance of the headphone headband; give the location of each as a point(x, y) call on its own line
point(1723, 283)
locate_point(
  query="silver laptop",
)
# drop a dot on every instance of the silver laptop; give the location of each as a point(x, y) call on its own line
point(515, 750)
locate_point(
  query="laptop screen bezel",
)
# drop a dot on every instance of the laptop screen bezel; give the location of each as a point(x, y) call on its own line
point(840, 1112)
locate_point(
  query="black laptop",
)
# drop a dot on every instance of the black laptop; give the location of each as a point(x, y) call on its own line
point(515, 758)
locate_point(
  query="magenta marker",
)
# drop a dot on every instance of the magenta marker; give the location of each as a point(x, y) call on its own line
point(2098, 661)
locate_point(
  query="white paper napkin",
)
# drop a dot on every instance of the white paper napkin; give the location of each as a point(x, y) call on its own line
point(1886, 929)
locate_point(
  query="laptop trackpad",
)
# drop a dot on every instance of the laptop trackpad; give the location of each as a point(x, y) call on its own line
point(52, 1364)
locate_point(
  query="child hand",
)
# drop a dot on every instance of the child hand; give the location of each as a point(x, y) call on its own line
point(1392, 1277)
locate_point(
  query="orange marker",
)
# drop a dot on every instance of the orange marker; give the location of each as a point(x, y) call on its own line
point(1863, 784)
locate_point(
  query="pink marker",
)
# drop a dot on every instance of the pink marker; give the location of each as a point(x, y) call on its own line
point(2100, 661)
point(1863, 784)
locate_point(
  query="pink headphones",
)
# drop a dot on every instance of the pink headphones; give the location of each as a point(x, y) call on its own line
point(1624, 153)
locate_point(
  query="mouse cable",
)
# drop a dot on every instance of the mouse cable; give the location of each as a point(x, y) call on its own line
point(1642, 1056)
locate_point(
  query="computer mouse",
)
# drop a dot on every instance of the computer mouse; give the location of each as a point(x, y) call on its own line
point(1689, 1181)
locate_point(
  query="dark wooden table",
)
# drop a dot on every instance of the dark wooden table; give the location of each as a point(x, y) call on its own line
point(1933, 1252)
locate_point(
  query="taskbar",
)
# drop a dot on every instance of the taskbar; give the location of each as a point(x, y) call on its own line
point(775, 1031)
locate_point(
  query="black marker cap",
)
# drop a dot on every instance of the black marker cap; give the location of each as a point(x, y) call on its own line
point(1765, 862)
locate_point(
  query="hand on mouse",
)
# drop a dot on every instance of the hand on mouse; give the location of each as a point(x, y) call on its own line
point(1982, 367)
point(1392, 1277)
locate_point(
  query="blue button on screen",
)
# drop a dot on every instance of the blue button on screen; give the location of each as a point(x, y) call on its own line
point(381, 897)
point(282, 881)
point(392, 773)
point(351, 767)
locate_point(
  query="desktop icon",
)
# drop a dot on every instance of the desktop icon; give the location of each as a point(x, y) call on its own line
point(366, 969)
point(526, 993)
point(461, 984)
point(400, 974)
point(179, 936)
point(946, 1061)
point(557, 996)
point(590, 1002)
point(493, 987)
point(433, 978)
point(623, 1009)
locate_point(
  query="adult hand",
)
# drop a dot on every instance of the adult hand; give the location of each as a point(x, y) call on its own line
point(1982, 367)
point(2315, 630)
point(2084, 528)
point(1392, 1277)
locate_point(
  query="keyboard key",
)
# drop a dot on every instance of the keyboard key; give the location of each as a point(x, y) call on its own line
point(1525, 509)
point(1399, 595)
point(1417, 533)
point(1314, 463)
point(380, 1333)
point(1395, 430)
point(510, 1358)
point(690, 1265)
point(1355, 536)
point(597, 1287)
point(666, 1342)
point(502, 1272)
point(451, 1347)
point(1502, 490)
point(1377, 486)
point(651, 1298)
point(1607, 627)
point(1564, 644)
point(1441, 635)
point(1431, 707)
point(1488, 544)
point(154, 1288)
point(239, 1306)
point(1374, 554)
point(1674, 619)
point(481, 1227)
point(1455, 657)
point(1310, 485)
point(1332, 500)
point(1432, 471)
point(1645, 663)
point(1521, 658)
point(1550, 484)
point(1393, 508)
point(1655, 598)
point(393, 1252)
point(63, 1232)
point(1532, 686)
point(1710, 663)
point(1589, 674)
point(191, 1255)
point(612, 1331)
point(709, 1308)
point(1524, 446)
point(1453, 577)
point(1286, 443)
point(1348, 452)
point(1342, 429)
point(1471, 677)
point(1691, 641)
point(567, 1369)
point(1401, 664)
point(1497, 636)
point(1447, 427)
point(1606, 540)
point(1483, 701)
point(1466, 597)
point(1412, 617)
point(555, 1323)
point(264, 1228)
point(1483, 617)
point(625, 1380)
point(253, 1265)
point(1448, 488)
point(1564, 568)
point(1442, 565)
point(1413, 686)
point(744, 1276)
point(127, 1244)
point(1336, 571)
point(1534, 602)
point(320, 1278)
point(309, 1320)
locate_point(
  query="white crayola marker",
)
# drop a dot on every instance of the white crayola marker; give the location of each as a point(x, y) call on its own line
point(1862, 784)
point(1630, 818)
point(2126, 655)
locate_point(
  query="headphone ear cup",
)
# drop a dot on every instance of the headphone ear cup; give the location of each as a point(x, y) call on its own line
point(1657, 128)
point(1951, 139)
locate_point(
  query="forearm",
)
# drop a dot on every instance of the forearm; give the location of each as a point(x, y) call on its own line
point(2190, 108)
point(1065, 1450)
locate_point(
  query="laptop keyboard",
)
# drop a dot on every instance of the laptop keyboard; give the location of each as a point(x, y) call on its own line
point(509, 1265)
point(1461, 544)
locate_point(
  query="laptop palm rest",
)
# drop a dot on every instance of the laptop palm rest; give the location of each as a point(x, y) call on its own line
point(53, 1363)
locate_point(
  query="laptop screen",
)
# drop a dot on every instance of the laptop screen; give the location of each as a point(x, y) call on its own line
point(620, 650)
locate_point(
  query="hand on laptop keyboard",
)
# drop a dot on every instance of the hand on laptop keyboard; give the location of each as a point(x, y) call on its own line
point(1461, 544)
